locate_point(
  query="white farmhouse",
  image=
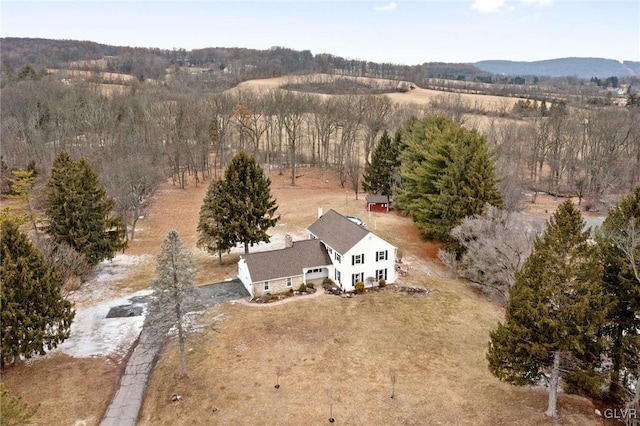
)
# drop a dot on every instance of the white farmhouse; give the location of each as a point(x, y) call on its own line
point(338, 248)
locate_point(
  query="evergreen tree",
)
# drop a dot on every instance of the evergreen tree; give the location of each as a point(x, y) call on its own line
point(544, 111)
point(214, 231)
point(619, 244)
point(35, 315)
point(447, 175)
point(21, 185)
point(555, 310)
point(79, 210)
point(379, 173)
point(174, 293)
point(14, 412)
point(244, 207)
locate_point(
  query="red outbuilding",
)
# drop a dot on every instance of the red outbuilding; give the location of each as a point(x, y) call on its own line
point(377, 203)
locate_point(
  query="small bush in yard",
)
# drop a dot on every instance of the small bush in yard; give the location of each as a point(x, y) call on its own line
point(311, 285)
point(303, 288)
point(382, 282)
point(327, 283)
point(359, 287)
point(13, 410)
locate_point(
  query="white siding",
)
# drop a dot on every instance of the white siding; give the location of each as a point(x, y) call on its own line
point(368, 246)
point(317, 273)
point(245, 276)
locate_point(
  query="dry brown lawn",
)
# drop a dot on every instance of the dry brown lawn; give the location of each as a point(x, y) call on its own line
point(68, 389)
point(435, 343)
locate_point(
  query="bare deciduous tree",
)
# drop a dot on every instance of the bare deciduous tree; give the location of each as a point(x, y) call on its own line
point(375, 119)
point(496, 244)
point(131, 182)
point(326, 124)
point(291, 113)
point(278, 374)
point(68, 262)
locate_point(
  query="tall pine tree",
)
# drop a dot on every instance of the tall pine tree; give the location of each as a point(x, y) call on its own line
point(79, 210)
point(447, 174)
point(215, 234)
point(240, 209)
point(35, 315)
point(174, 293)
point(378, 177)
point(555, 310)
point(619, 243)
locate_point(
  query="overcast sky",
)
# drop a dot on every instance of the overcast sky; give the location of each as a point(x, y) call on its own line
point(404, 32)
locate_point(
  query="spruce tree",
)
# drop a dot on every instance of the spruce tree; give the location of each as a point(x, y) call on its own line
point(215, 233)
point(619, 244)
point(245, 207)
point(447, 174)
point(22, 184)
point(35, 315)
point(79, 210)
point(555, 310)
point(174, 293)
point(379, 173)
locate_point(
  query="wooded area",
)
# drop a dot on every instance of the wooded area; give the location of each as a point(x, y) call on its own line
point(136, 139)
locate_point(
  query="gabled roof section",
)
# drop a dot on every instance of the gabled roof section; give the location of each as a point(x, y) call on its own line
point(377, 198)
point(287, 262)
point(337, 231)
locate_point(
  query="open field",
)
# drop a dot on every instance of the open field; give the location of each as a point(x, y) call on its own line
point(416, 96)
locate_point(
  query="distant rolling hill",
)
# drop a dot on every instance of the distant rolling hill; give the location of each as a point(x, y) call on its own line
point(579, 67)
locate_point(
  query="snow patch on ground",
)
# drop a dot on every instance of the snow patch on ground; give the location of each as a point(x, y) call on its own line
point(116, 269)
point(106, 274)
point(92, 334)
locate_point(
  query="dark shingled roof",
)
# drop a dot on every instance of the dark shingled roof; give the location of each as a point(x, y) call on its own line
point(287, 262)
point(337, 231)
point(377, 199)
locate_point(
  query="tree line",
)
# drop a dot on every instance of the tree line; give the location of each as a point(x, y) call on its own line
point(136, 139)
point(217, 69)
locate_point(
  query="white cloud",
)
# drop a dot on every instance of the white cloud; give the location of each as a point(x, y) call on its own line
point(387, 7)
point(538, 3)
point(488, 6)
